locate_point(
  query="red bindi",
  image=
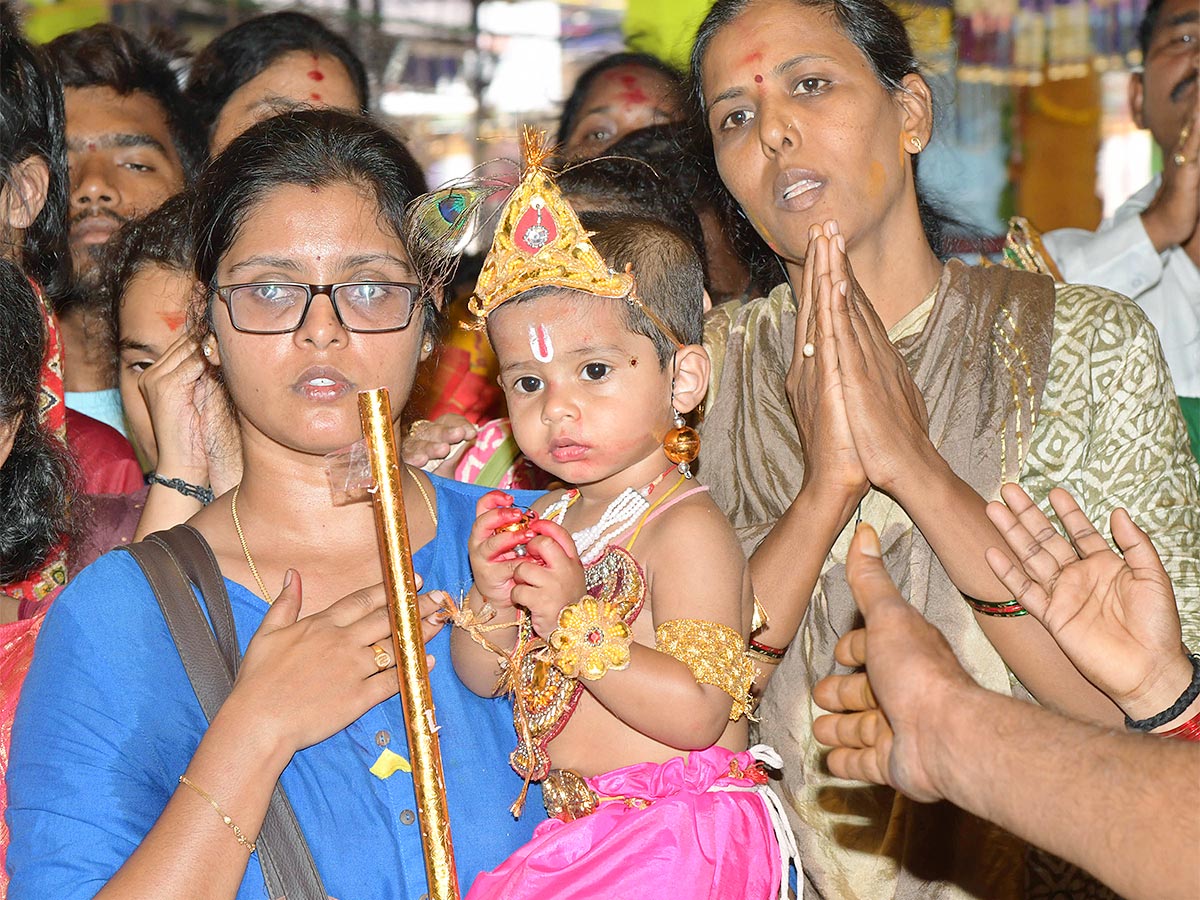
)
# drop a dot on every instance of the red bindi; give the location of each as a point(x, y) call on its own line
point(173, 320)
point(758, 79)
point(632, 91)
point(314, 96)
point(315, 72)
point(633, 363)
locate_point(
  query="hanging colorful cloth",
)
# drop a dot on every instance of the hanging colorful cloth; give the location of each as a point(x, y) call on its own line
point(52, 411)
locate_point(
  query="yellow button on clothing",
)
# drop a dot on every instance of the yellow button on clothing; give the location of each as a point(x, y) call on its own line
point(388, 764)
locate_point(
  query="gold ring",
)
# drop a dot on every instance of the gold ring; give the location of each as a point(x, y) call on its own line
point(417, 424)
point(1179, 159)
point(383, 659)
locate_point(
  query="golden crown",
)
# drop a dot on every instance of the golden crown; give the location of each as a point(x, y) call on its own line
point(540, 242)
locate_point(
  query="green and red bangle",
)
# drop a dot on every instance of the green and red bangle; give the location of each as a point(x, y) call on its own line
point(1009, 609)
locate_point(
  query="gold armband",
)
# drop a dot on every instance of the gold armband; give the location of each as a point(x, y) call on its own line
point(590, 639)
point(715, 653)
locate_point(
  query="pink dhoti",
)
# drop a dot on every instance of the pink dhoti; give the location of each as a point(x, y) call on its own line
point(696, 828)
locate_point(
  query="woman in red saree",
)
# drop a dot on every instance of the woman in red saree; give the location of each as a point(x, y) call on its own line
point(35, 491)
point(35, 471)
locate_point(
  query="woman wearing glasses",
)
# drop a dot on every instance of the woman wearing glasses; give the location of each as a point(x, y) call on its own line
point(313, 296)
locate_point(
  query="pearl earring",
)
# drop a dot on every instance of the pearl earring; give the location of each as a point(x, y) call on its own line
point(207, 351)
point(427, 347)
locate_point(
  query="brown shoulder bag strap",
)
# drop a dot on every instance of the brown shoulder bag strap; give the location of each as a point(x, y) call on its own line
point(193, 555)
point(210, 661)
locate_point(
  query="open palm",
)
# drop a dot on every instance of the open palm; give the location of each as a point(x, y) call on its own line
point(1113, 616)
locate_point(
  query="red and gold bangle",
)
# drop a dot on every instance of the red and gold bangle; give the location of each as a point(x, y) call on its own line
point(765, 652)
point(1009, 609)
point(1188, 731)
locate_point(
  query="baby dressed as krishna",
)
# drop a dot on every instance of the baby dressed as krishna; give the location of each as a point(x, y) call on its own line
point(616, 613)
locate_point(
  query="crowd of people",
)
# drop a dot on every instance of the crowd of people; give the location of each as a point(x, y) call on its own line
point(714, 459)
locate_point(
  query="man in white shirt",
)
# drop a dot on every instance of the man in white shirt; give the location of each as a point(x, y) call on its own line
point(1150, 249)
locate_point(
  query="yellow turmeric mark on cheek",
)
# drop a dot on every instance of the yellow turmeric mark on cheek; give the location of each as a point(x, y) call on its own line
point(876, 176)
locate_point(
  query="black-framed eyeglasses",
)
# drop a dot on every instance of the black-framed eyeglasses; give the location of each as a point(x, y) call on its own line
point(280, 307)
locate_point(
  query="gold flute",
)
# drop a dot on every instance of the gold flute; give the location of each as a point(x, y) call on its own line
point(408, 644)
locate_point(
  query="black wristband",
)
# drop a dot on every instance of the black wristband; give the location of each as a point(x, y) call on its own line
point(1185, 700)
point(195, 491)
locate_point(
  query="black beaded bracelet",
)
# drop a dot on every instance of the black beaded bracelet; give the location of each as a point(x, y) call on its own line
point(1185, 700)
point(195, 491)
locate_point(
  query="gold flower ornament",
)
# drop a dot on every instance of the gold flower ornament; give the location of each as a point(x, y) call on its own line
point(590, 639)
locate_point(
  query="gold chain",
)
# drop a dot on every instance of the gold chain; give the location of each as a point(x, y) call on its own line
point(237, 525)
point(237, 831)
point(425, 496)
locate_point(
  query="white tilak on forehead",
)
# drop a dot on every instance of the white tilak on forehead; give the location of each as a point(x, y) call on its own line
point(540, 344)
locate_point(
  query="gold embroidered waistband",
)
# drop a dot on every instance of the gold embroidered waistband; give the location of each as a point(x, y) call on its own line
point(567, 796)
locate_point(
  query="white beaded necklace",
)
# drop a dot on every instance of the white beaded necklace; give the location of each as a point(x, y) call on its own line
point(626, 507)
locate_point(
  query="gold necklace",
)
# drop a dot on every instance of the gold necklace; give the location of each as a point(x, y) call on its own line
point(237, 525)
point(424, 495)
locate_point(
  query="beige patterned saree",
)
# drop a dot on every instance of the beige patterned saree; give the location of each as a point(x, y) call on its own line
point(981, 363)
point(1023, 381)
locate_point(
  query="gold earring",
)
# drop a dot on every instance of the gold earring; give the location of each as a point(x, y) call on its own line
point(682, 444)
point(916, 142)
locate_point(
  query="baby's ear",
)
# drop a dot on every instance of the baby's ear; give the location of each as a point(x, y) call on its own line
point(692, 367)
